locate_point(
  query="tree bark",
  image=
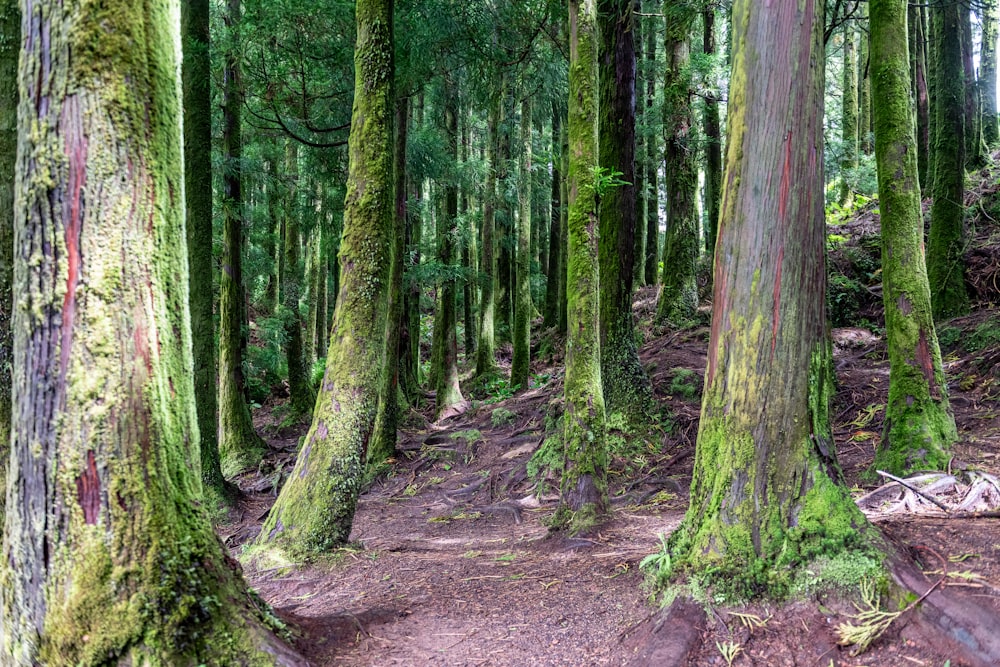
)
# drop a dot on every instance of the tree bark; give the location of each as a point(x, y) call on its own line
point(520, 368)
point(864, 87)
point(713, 142)
point(639, 227)
point(469, 292)
point(973, 127)
point(849, 116)
point(556, 237)
point(920, 93)
point(10, 39)
point(918, 424)
point(765, 496)
point(108, 554)
point(988, 73)
point(239, 445)
point(946, 240)
point(315, 509)
point(583, 490)
point(564, 226)
point(486, 348)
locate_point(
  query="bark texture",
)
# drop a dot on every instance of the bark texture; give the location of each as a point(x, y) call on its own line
point(849, 116)
point(486, 346)
point(988, 73)
point(108, 555)
point(10, 31)
point(713, 143)
point(556, 235)
point(520, 367)
point(315, 509)
point(918, 426)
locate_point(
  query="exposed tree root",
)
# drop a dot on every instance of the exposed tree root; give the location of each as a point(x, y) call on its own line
point(669, 636)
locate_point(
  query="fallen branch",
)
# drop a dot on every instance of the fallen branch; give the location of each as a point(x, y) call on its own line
point(917, 491)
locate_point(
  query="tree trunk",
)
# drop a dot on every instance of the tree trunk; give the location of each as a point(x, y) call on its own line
point(625, 385)
point(10, 39)
point(679, 298)
point(654, 157)
point(920, 93)
point(641, 120)
point(765, 495)
point(486, 348)
point(988, 74)
point(520, 367)
point(946, 240)
point(849, 117)
point(321, 268)
point(918, 424)
point(239, 445)
point(448, 394)
point(556, 236)
point(713, 142)
point(864, 87)
point(108, 554)
point(973, 127)
point(315, 509)
point(584, 490)
point(468, 254)
point(564, 241)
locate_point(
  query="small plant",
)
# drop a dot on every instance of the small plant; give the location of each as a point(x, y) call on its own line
point(869, 623)
point(318, 370)
point(684, 384)
point(605, 179)
point(751, 621)
point(659, 566)
point(502, 417)
point(498, 389)
point(729, 650)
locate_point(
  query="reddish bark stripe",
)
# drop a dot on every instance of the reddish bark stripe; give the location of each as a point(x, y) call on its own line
point(786, 177)
point(76, 151)
point(88, 490)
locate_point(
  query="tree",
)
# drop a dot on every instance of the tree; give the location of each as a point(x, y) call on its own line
point(583, 490)
point(239, 445)
point(988, 73)
point(10, 31)
point(713, 142)
point(108, 554)
point(849, 115)
point(946, 241)
point(486, 347)
point(316, 506)
point(918, 423)
point(520, 368)
point(555, 273)
point(626, 387)
point(765, 494)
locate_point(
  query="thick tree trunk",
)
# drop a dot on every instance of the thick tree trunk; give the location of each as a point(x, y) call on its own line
point(584, 482)
point(946, 240)
point(713, 143)
point(108, 554)
point(764, 495)
point(918, 425)
point(239, 445)
point(556, 236)
point(315, 509)
point(849, 116)
point(520, 368)
point(10, 39)
point(486, 348)
point(679, 298)
point(626, 387)
point(988, 73)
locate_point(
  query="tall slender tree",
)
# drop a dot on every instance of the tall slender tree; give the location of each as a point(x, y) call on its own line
point(865, 144)
point(713, 141)
point(486, 346)
point(556, 234)
point(920, 93)
point(988, 73)
point(108, 554)
point(919, 426)
point(849, 115)
point(10, 31)
point(641, 76)
point(520, 368)
point(316, 506)
point(583, 489)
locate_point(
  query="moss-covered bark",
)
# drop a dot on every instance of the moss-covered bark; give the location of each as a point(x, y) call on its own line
point(973, 106)
point(239, 445)
point(583, 489)
point(918, 425)
point(564, 226)
point(10, 31)
point(556, 236)
point(679, 298)
point(765, 495)
point(108, 555)
point(520, 367)
point(486, 347)
point(469, 250)
point(848, 115)
point(639, 231)
point(315, 509)
point(990, 17)
point(318, 281)
point(625, 385)
point(713, 142)
point(865, 145)
point(946, 240)
point(917, 26)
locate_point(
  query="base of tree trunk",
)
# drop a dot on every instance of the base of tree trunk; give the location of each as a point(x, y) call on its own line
point(669, 636)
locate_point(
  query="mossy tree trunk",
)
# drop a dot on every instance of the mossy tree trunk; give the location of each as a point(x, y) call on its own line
point(239, 445)
point(300, 395)
point(919, 91)
point(520, 368)
point(654, 157)
point(848, 115)
point(564, 225)
point(10, 39)
point(865, 145)
point(448, 395)
point(486, 347)
point(918, 423)
point(988, 73)
point(765, 494)
point(946, 240)
point(108, 554)
point(973, 105)
point(469, 250)
point(679, 298)
point(583, 490)
point(625, 385)
point(555, 270)
point(318, 314)
point(713, 141)
point(639, 228)
point(315, 509)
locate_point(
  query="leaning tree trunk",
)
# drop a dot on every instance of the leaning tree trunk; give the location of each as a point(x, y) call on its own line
point(239, 445)
point(988, 74)
point(109, 557)
point(626, 387)
point(584, 489)
point(486, 347)
point(918, 423)
point(849, 116)
point(679, 298)
point(10, 32)
point(315, 509)
point(520, 367)
point(946, 240)
point(713, 143)
point(764, 494)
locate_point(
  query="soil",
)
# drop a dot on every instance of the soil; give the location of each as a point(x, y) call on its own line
point(451, 561)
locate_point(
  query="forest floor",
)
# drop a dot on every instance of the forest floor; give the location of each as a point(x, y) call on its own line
point(452, 562)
